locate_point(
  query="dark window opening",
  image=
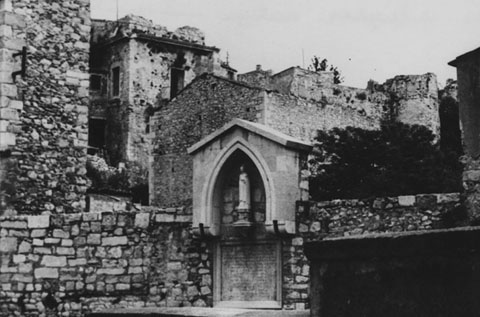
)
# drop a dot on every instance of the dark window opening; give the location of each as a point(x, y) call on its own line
point(96, 135)
point(116, 81)
point(95, 82)
point(231, 75)
point(177, 78)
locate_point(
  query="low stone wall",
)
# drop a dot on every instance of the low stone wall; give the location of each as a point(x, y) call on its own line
point(68, 265)
point(337, 218)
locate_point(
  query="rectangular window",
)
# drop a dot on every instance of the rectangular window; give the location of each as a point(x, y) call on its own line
point(177, 78)
point(116, 81)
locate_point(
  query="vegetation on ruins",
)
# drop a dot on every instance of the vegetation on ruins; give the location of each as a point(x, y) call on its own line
point(397, 160)
point(321, 65)
point(110, 180)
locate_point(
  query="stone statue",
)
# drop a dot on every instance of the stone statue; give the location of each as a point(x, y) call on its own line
point(243, 190)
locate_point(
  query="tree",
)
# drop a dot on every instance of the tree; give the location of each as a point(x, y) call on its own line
point(397, 160)
point(321, 65)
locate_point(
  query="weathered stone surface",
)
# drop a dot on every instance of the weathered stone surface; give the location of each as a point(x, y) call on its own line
point(113, 241)
point(142, 220)
point(46, 273)
point(8, 244)
point(54, 261)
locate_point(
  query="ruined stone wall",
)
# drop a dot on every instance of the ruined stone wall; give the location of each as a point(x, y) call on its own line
point(303, 83)
point(77, 263)
point(149, 68)
point(206, 106)
point(301, 101)
point(48, 141)
point(338, 107)
point(415, 100)
point(257, 78)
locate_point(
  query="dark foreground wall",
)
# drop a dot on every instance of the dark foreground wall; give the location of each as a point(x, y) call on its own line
point(417, 274)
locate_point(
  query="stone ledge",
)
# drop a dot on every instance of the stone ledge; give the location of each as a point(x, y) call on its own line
point(199, 312)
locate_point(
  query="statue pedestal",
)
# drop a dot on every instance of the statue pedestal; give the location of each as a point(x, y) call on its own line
point(244, 220)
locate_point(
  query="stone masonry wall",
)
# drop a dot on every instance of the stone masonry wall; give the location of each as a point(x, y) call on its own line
point(338, 107)
point(415, 100)
point(72, 264)
point(339, 218)
point(11, 28)
point(48, 154)
point(206, 106)
point(145, 66)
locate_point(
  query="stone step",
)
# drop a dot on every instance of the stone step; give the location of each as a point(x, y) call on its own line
point(198, 312)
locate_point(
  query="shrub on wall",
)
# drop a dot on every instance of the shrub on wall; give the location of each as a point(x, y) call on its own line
point(397, 160)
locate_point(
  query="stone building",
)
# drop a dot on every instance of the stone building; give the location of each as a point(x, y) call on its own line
point(136, 66)
point(296, 102)
point(164, 101)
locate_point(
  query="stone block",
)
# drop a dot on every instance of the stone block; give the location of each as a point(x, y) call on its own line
point(111, 271)
point(142, 220)
point(7, 139)
point(16, 104)
point(135, 270)
point(38, 233)
point(39, 250)
point(122, 287)
point(38, 221)
point(54, 261)
point(406, 200)
point(8, 244)
point(9, 90)
point(78, 75)
point(174, 266)
point(51, 241)
point(5, 76)
point(471, 175)
point(77, 262)
point(448, 198)
point(6, 31)
point(13, 224)
point(164, 218)
point(91, 217)
point(58, 233)
point(12, 19)
point(113, 241)
point(67, 242)
point(46, 273)
point(4, 125)
point(65, 251)
point(25, 247)
point(183, 218)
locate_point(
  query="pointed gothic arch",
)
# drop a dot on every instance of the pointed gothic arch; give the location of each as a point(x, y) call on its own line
point(210, 195)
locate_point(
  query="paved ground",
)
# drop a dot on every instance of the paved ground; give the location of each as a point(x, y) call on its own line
point(198, 312)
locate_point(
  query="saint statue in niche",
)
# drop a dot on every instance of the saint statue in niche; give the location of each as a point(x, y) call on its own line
point(243, 190)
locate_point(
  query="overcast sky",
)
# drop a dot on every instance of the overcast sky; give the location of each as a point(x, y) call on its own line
point(368, 39)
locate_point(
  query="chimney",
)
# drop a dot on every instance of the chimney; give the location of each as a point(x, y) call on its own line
point(259, 67)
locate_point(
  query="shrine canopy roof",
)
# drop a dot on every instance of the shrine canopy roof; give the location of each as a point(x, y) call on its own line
point(256, 128)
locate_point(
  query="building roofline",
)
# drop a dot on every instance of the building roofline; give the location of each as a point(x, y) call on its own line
point(257, 128)
point(457, 60)
point(162, 40)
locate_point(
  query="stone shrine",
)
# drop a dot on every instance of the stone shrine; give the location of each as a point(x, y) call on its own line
point(246, 179)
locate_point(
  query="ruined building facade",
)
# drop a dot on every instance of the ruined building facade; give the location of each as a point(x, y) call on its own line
point(135, 67)
point(296, 102)
point(164, 104)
